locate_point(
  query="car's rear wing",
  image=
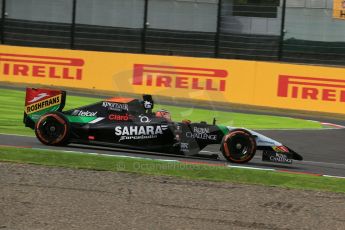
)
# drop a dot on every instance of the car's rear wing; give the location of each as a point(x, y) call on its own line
point(42, 101)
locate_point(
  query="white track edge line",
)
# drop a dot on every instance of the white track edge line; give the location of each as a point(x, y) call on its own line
point(101, 154)
point(12, 134)
point(248, 167)
point(339, 177)
point(163, 160)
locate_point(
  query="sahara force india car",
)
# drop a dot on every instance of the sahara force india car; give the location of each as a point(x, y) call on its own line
point(131, 124)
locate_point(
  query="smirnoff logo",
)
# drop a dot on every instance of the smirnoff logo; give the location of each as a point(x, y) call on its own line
point(310, 88)
point(179, 77)
point(14, 65)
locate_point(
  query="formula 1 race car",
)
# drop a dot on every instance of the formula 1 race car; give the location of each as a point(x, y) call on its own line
point(131, 124)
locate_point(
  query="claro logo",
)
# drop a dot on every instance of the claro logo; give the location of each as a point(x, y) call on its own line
point(310, 88)
point(41, 66)
point(179, 77)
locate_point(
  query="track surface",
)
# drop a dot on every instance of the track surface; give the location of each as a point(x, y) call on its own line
point(323, 150)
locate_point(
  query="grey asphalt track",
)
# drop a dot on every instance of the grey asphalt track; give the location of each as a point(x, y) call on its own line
point(323, 150)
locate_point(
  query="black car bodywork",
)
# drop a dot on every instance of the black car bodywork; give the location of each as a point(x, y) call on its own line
point(130, 124)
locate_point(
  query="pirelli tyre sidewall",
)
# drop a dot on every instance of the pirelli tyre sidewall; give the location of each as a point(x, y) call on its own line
point(238, 146)
point(53, 129)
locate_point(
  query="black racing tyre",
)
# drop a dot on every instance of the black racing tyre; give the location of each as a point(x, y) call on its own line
point(53, 129)
point(238, 146)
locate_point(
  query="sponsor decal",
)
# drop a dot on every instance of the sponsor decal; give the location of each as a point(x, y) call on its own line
point(115, 106)
point(201, 133)
point(310, 88)
point(276, 157)
point(39, 97)
point(38, 106)
point(144, 119)
point(135, 132)
point(280, 149)
point(148, 105)
point(41, 66)
point(83, 113)
point(117, 117)
point(280, 158)
point(35, 116)
point(179, 77)
point(184, 147)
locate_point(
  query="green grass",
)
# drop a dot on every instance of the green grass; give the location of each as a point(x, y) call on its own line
point(181, 170)
point(12, 107)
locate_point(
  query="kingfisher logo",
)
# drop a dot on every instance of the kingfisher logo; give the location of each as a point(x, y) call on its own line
point(41, 66)
point(179, 77)
point(311, 88)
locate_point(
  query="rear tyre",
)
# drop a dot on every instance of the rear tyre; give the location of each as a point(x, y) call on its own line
point(238, 146)
point(53, 129)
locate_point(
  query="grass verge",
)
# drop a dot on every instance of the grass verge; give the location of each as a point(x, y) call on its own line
point(12, 107)
point(175, 169)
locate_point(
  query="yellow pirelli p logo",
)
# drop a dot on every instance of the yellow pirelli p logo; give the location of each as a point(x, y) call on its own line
point(46, 103)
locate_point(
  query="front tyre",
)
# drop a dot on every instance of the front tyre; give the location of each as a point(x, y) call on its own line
point(238, 146)
point(53, 129)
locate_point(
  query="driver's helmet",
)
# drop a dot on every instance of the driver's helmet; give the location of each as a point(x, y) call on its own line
point(164, 114)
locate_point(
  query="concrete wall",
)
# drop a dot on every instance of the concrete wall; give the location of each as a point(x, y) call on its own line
point(312, 20)
point(190, 15)
point(40, 10)
point(305, 19)
point(116, 13)
point(248, 25)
